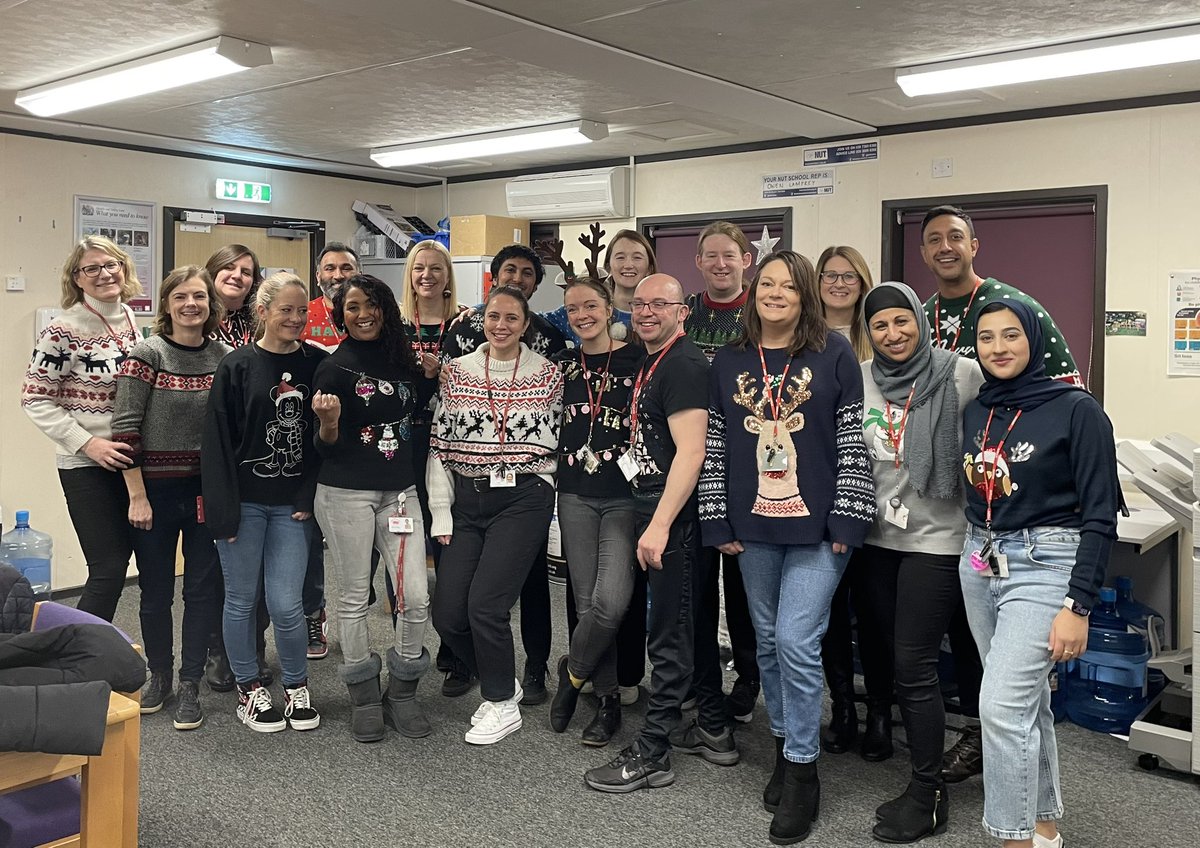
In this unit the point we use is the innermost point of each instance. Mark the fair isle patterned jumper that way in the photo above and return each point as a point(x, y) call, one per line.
point(466, 438)
point(712, 325)
point(71, 384)
point(823, 491)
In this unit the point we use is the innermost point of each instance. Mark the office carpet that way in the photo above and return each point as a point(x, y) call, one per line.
point(224, 784)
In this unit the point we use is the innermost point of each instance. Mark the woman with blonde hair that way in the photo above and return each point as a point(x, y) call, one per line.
point(70, 391)
point(845, 280)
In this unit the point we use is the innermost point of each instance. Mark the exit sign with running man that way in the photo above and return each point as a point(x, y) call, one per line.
point(244, 191)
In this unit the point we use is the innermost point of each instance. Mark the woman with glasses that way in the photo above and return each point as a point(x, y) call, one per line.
point(70, 391)
point(787, 487)
point(845, 281)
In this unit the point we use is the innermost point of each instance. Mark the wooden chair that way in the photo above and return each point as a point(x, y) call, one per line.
point(106, 794)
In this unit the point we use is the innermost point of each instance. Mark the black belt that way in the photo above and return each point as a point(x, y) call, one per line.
point(484, 484)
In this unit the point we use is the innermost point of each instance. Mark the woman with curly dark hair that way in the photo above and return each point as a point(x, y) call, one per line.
point(366, 395)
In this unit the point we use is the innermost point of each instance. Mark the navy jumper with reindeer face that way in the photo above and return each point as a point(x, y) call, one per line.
point(825, 492)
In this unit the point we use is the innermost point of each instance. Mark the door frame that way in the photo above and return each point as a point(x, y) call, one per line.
point(782, 213)
point(315, 229)
point(892, 247)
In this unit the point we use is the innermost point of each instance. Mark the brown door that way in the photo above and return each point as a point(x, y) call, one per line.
point(193, 248)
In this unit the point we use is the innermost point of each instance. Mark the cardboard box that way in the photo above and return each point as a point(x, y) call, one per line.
point(485, 235)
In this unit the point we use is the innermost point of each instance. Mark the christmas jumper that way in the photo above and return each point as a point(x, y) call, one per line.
point(162, 393)
point(823, 490)
point(712, 325)
point(258, 444)
point(70, 385)
point(320, 330)
point(558, 318)
point(542, 337)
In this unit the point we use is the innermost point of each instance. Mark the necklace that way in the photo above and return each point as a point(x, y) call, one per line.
point(420, 346)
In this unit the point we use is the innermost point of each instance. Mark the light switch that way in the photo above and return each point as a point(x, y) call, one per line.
point(14, 283)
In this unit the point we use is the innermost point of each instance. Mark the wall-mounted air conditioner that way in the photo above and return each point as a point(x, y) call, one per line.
point(567, 195)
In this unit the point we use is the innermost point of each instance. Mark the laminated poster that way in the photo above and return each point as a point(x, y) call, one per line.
point(1183, 321)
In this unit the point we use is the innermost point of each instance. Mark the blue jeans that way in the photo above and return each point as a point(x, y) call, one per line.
point(1011, 618)
point(789, 588)
point(271, 550)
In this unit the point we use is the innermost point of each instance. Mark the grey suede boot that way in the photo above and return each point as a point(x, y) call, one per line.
point(366, 711)
point(400, 710)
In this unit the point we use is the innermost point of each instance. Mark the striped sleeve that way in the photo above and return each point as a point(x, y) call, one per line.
point(715, 528)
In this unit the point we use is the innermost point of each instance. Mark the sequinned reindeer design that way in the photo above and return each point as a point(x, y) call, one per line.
point(778, 491)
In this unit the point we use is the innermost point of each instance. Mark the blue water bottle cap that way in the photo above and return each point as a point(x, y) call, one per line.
point(1108, 595)
point(1124, 582)
point(22, 517)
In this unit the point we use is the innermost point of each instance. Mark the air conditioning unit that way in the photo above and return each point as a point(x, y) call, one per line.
point(567, 195)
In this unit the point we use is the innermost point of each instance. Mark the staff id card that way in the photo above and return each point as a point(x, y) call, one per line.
point(628, 465)
point(502, 478)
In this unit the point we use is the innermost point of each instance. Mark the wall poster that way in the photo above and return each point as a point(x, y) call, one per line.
point(131, 224)
point(1183, 324)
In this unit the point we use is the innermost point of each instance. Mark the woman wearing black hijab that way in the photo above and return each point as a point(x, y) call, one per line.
point(913, 397)
point(1042, 500)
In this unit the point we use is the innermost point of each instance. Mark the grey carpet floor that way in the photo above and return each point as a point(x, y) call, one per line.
point(224, 784)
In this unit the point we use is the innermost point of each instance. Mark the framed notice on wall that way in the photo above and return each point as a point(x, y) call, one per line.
point(131, 225)
point(1183, 324)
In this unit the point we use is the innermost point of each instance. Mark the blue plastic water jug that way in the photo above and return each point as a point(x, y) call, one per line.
point(29, 552)
point(1106, 688)
point(1147, 621)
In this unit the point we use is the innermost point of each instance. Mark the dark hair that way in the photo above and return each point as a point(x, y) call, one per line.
point(812, 329)
point(947, 209)
point(163, 324)
point(994, 306)
point(391, 333)
point(523, 252)
point(509, 291)
point(337, 247)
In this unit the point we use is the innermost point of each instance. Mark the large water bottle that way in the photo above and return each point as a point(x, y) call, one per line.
point(1107, 687)
point(29, 552)
point(1146, 621)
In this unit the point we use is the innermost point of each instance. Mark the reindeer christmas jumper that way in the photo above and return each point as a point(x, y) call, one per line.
point(70, 386)
point(787, 464)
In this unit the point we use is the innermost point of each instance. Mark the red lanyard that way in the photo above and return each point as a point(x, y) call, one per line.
point(108, 326)
point(594, 404)
point(774, 398)
point(989, 482)
point(642, 377)
point(424, 347)
point(501, 424)
point(894, 437)
point(937, 324)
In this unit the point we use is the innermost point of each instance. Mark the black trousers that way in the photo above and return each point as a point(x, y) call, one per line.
point(737, 610)
point(670, 625)
point(98, 504)
point(869, 584)
point(927, 595)
point(497, 536)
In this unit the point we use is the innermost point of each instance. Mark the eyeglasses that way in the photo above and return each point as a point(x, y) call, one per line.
point(850, 278)
point(656, 305)
point(93, 271)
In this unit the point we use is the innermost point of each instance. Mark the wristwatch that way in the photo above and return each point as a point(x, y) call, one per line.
point(1076, 607)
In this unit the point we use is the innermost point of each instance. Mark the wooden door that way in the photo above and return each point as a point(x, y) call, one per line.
point(273, 252)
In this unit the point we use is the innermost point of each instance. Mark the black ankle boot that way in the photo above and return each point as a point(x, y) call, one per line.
point(217, 673)
point(605, 724)
point(921, 811)
point(965, 759)
point(798, 804)
point(843, 728)
point(877, 739)
point(566, 697)
point(774, 787)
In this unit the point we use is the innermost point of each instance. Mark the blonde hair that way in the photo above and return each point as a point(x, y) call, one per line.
point(723, 228)
point(268, 290)
point(72, 294)
point(859, 339)
point(216, 309)
point(408, 297)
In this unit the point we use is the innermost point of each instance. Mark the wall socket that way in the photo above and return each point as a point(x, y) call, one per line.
point(942, 168)
point(14, 283)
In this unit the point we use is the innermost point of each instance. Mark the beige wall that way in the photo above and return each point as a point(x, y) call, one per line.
point(38, 181)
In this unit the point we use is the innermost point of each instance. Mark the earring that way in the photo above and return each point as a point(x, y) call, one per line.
point(446, 294)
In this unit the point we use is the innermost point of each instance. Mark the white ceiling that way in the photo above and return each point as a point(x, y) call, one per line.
point(667, 76)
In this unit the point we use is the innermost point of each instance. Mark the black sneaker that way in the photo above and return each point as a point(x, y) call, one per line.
point(318, 640)
point(298, 710)
point(630, 771)
point(459, 680)
point(716, 748)
point(742, 699)
point(256, 711)
point(217, 673)
point(188, 715)
point(534, 684)
point(156, 691)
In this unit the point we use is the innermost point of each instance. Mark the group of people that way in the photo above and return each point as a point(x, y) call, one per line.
point(811, 443)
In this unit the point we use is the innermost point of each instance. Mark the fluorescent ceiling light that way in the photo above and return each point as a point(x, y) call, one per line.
point(1119, 53)
point(518, 140)
point(196, 62)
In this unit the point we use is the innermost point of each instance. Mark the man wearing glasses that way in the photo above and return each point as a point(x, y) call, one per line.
point(948, 246)
point(668, 423)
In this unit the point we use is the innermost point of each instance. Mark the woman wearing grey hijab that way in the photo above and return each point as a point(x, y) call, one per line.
point(914, 394)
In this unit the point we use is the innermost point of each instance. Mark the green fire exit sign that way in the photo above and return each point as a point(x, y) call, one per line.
point(244, 191)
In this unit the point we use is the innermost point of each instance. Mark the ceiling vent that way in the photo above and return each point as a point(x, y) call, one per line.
point(567, 195)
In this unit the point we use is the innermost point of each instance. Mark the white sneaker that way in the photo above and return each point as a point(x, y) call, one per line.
point(503, 718)
point(486, 706)
point(1040, 841)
